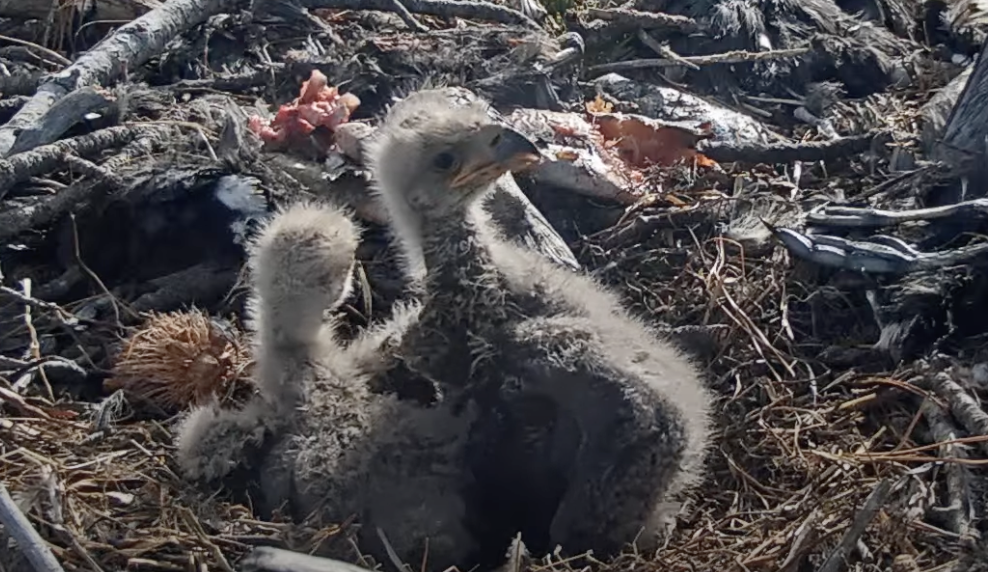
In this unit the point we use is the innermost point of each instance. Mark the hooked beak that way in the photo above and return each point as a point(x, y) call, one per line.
point(494, 151)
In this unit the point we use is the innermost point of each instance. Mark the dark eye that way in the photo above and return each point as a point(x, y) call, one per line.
point(444, 161)
point(495, 140)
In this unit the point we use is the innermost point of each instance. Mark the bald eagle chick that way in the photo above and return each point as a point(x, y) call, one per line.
point(589, 422)
point(317, 436)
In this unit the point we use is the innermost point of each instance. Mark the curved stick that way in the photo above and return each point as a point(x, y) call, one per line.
point(31, 543)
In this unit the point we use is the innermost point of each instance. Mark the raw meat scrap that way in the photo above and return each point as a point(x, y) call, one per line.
point(318, 105)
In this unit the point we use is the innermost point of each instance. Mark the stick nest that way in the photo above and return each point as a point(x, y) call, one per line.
point(811, 420)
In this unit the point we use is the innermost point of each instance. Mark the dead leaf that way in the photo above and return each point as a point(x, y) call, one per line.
point(641, 142)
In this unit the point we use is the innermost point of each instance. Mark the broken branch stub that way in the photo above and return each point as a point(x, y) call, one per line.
point(62, 116)
point(128, 47)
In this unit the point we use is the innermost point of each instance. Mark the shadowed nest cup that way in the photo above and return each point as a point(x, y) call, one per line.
point(182, 359)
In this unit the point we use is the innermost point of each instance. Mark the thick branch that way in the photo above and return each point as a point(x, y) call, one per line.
point(28, 539)
point(785, 152)
point(61, 116)
point(967, 127)
point(958, 502)
point(48, 158)
point(963, 406)
point(16, 221)
point(839, 216)
point(128, 47)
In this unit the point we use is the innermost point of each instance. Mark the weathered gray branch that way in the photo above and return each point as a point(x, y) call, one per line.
point(840, 216)
point(28, 539)
point(934, 113)
point(647, 20)
point(958, 506)
point(63, 114)
point(128, 47)
point(874, 503)
point(965, 136)
point(47, 158)
point(785, 152)
point(963, 406)
point(879, 255)
point(16, 221)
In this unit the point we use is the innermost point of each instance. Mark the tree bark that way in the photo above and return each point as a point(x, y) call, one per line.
point(967, 126)
point(936, 111)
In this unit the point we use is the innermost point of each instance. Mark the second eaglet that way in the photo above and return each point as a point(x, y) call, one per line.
point(588, 422)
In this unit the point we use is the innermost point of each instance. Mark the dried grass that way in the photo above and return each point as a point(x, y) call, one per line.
point(109, 499)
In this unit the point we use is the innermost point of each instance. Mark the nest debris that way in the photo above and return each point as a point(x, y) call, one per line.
point(828, 450)
point(179, 360)
point(110, 500)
